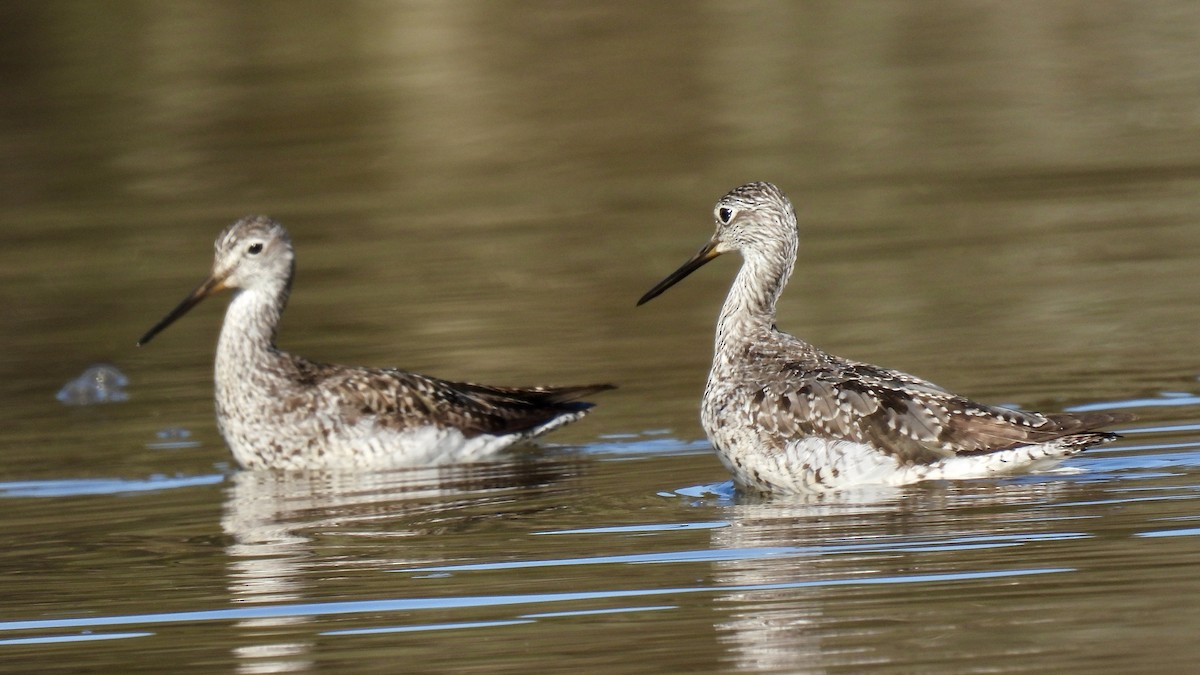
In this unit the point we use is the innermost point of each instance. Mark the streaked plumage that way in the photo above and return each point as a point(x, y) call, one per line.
point(785, 416)
point(280, 411)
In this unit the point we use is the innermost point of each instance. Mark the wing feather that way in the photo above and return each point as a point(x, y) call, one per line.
point(401, 400)
point(904, 416)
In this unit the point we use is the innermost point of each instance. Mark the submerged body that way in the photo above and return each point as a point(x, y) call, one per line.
point(785, 416)
point(280, 411)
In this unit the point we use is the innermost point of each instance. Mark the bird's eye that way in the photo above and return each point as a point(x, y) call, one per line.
point(255, 248)
point(725, 214)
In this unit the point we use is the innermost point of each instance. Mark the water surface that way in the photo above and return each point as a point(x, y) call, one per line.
point(1000, 198)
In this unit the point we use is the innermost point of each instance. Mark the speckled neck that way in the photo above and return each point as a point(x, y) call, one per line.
point(252, 318)
point(246, 350)
point(749, 308)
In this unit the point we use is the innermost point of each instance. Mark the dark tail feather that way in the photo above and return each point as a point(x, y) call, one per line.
point(565, 395)
point(1078, 423)
point(554, 402)
point(559, 398)
point(1080, 442)
point(1082, 429)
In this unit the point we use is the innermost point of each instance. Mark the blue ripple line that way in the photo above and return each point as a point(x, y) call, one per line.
point(705, 555)
point(1188, 399)
point(1182, 532)
point(595, 612)
point(964, 543)
point(414, 604)
point(101, 486)
point(425, 627)
point(82, 637)
point(651, 527)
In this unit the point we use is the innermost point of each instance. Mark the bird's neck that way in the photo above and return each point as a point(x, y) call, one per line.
point(248, 333)
point(749, 308)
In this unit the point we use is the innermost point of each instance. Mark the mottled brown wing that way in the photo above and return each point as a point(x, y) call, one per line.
point(911, 419)
point(401, 400)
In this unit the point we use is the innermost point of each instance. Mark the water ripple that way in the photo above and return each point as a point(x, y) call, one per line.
point(320, 609)
point(651, 527)
point(78, 637)
point(758, 553)
point(102, 486)
point(1188, 532)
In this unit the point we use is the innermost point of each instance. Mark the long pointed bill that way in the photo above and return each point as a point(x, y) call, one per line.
point(211, 285)
point(694, 263)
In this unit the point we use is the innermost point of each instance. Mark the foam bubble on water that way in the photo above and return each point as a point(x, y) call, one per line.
point(101, 383)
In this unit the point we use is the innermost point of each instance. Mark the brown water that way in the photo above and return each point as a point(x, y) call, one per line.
point(1001, 197)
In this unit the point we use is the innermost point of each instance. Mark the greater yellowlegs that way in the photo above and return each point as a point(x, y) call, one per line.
point(278, 410)
point(785, 416)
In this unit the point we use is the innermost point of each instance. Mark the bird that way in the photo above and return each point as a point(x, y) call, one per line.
point(280, 411)
point(786, 417)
